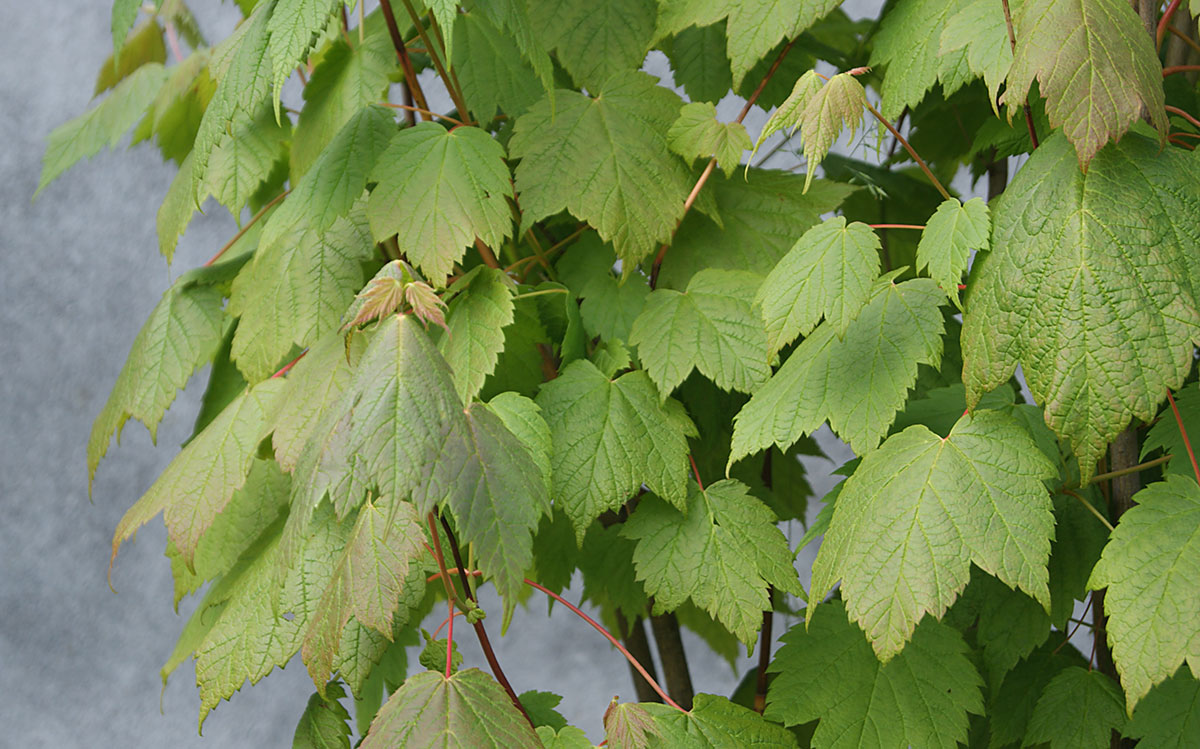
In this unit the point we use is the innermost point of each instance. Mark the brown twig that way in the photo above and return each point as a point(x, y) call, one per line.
point(455, 95)
point(429, 114)
point(1183, 114)
point(410, 75)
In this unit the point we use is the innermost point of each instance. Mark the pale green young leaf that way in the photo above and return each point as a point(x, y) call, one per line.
point(144, 46)
point(611, 357)
point(605, 160)
point(368, 581)
point(124, 14)
point(437, 191)
point(1150, 567)
point(714, 326)
point(523, 418)
point(200, 481)
point(1095, 66)
point(467, 711)
point(756, 26)
point(829, 273)
point(1090, 287)
point(610, 437)
point(948, 238)
point(596, 40)
point(336, 180)
point(315, 386)
point(723, 552)
point(346, 80)
point(294, 29)
point(1078, 709)
point(790, 114)
point(921, 509)
point(567, 737)
point(908, 43)
point(181, 335)
point(475, 329)
point(627, 725)
point(491, 69)
point(979, 27)
point(826, 671)
point(858, 382)
point(325, 723)
point(714, 723)
point(697, 134)
point(1169, 716)
point(240, 165)
point(174, 117)
point(103, 125)
point(295, 290)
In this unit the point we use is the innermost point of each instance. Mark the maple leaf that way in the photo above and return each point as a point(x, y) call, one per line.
point(1079, 707)
point(610, 437)
point(596, 41)
point(949, 236)
point(790, 113)
point(920, 509)
point(469, 709)
point(1149, 567)
point(382, 296)
point(858, 382)
point(124, 15)
point(474, 336)
point(1090, 287)
point(978, 26)
point(492, 71)
point(295, 27)
point(627, 725)
point(912, 54)
point(1169, 716)
point(755, 27)
point(713, 326)
point(610, 305)
point(715, 722)
point(829, 272)
point(437, 191)
point(315, 386)
point(567, 737)
point(1095, 66)
point(325, 723)
point(697, 134)
point(723, 551)
point(826, 671)
point(242, 163)
point(143, 46)
point(606, 160)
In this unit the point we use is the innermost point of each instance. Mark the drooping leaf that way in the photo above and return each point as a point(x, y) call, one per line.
point(1011, 625)
point(826, 671)
point(858, 382)
point(606, 160)
point(790, 114)
point(468, 710)
point(475, 329)
point(439, 190)
point(1079, 708)
point(829, 273)
point(1094, 64)
point(596, 41)
point(514, 17)
point(952, 232)
point(714, 326)
point(913, 56)
point(103, 125)
point(1090, 287)
point(919, 510)
point(242, 163)
point(325, 723)
point(294, 28)
point(697, 134)
point(754, 28)
point(723, 552)
point(610, 437)
point(1169, 716)
point(715, 722)
point(523, 418)
point(1150, 567)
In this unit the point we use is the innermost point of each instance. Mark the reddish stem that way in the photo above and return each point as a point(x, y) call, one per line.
point(1179, 69)
point(917, 227)
point(286, 367)
point(696, 472)
point(1183, 114)
point(450, 639)
point(1164, 23)
point(1187, 443)
point(615, 642)
point(242, 232)
point(428, 113)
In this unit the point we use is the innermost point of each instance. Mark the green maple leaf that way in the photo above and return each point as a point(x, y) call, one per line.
point(1011, 625)
point(475, 328)
point(627, 725)
point(295, 28)
point(1095, 66)
point(437, 191)
point(567, 737)
point(336, 180)
point(104, 125)
point(697, 134)
point(715, 722)
point(606, 160)
point(1011, 703)
point(491, 69)
point(698, 60)
point(1150, 566)
point(722, 551)
point(610, 437)
point(714, 326)
point(857, 382)
point(124, 14)
point(761, 217)
point(468, 710)
point(1090, 287)
point(756, 26)
point(913, 55)
point(369, 580)
point(978, 26)
point(295, 290)
point(315, 385)
point(948, 238)
point(1164, 434)
point(1169, 716)
point(1078, 708)
point(325, 723)
point(346, 80)
point(610, 305)
point(540, 707)
point(826, 671)
point(829, 272)
point(523, 418)
point(596, 40)
point(145, 45)
point(920, 509)
point(175, 115)
point(514, 17)
point(790, 114)
point(242, 163)
point(203, 477)
point(182, 333)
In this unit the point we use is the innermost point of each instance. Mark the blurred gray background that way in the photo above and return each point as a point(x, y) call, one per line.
point(80, 271)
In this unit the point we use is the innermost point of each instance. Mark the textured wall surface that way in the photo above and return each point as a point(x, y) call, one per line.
point(80, 271)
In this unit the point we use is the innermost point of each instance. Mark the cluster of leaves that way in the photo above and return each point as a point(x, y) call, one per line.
point(539, 335)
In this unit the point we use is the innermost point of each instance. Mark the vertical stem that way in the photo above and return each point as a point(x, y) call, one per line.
point(410, 75)
point(634, 635)
point(455, 95)
point(764, 636)
point(674, 660)
point(1012, 43)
